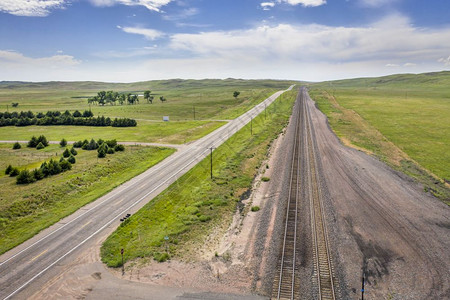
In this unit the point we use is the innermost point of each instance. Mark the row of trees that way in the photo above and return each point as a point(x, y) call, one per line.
point(29, 114)
point(110, 97)
point(102, 147)
point(69, 120)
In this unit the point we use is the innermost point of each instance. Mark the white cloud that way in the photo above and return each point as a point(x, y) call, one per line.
point(311, 3)
point(377, 3)
point(30, 8)
point(153, 5)
point(184, 14)
point(392, 65)
point(267, 5)
point(401, 42)
point(13, 58)
point(149, 34)
point(445, 61)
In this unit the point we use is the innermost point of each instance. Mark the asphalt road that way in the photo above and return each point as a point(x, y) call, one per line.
point(52, 248)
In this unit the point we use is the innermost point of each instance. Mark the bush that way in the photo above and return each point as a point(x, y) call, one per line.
point(66, 153)
point(38, 174)
point(32, 143)
point(65, 165)
point(63, 143)
point(42, 139)
point(73, 151)
point(40, 146)
point(17, 146)
point(78, 144)
point(110, 151)
point(14, 172)
point(161, 257)
point(101, 153)
point(119, 148)
point(8, 169)
point(204, 218)
point(72, 159)
point(255, 208)
point(25, 177)
point(265, 179)
point(111, 143)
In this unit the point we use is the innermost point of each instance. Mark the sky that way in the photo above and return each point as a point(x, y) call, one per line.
point(138, 40)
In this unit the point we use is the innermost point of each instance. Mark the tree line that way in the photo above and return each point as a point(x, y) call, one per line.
point(110, 97)
point(57, 118)
point(53, 167)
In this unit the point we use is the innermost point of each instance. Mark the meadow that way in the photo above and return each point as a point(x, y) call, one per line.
point(27, 209)
point(195, 205)
point(402, 119)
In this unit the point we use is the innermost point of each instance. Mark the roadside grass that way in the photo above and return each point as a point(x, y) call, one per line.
point(192, 207)
point(25, 210)
point(401, 119)
point(157, 132)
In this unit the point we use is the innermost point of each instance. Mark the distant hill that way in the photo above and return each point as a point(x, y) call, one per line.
point(434, 79)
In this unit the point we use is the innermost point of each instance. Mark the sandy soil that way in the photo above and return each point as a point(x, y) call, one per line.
point(378, 221)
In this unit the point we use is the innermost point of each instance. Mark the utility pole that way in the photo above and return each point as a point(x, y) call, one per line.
point(211, 148)
point(362, 287)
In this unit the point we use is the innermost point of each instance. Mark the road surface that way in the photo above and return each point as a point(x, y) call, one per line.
point(52, 248)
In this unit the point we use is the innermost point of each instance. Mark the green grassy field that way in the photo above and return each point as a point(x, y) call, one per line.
point(210, 99)
point(27, 209)
point(403, 119)
point(194, 205)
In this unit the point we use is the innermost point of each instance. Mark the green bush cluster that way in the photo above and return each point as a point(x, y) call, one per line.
point(102, 147)
point(38, 143)
point(58, 118)
point(46, 169)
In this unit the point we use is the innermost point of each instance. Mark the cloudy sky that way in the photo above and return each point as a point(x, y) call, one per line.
point(135, 40)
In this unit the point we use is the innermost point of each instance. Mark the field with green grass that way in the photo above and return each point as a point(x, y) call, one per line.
point(211, 100)
point(194, 205)
point(27, 209)
point(402, 119)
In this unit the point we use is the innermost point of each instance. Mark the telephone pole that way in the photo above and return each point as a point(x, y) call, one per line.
point(211, 148)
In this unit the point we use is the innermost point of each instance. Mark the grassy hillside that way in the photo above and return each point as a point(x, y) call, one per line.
point(403, 119)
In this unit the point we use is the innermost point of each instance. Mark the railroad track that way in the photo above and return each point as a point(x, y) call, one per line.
point(304, 163)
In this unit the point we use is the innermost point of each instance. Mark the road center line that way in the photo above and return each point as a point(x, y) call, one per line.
point(39, 255)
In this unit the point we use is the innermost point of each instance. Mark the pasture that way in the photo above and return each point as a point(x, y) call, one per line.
point(402, 119)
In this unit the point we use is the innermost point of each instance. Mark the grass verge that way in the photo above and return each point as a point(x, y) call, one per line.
point(384, 123)
point(192, 207)
point(25, 210)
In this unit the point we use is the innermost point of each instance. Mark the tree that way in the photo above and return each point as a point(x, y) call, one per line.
point(71, 159)
point(63, 143)
point(33, 142)
point(65, 165)
point(66, 153)
point(25, 177)
point(101, 152)
point(8, 169)
point(119, 147)
point(42, 139)
point(163, 99)
point(76, 114)
point(14, 172)
point(101, 97)
point(236, 94)
point(40, 146)
point(15, 104)
point(38, 174)
point(122, 98)
point(148, 96)
point(73, 151)
point(17, 146)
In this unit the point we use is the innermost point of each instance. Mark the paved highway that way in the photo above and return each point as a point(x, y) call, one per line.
point(52, 247)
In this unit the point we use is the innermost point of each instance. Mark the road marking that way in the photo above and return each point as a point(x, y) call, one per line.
point(86, 224)
point(117, 216)
point(118, 202)
point(39, 255)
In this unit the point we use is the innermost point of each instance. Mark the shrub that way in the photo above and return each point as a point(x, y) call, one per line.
point(255, 208)
point(111, 143)
point(17, 146)
point(32, 143)
point(63, 143)
point(119, 148)
point(8, 169)
point(100, 142)
point(65, 165)
point(101, 153)
point(92, 145)
point(204, 218)
point(161, 257)
point(38, 174)
point(78, 144)
point(265, 179)
point(110, 151)
point(73, 151)
point(72, 159)
point(66, 153)
point(14, 172)
point(42, 139)
point(40, 146)
point(25, 177)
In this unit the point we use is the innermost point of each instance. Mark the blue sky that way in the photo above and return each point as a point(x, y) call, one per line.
point(136, 40)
